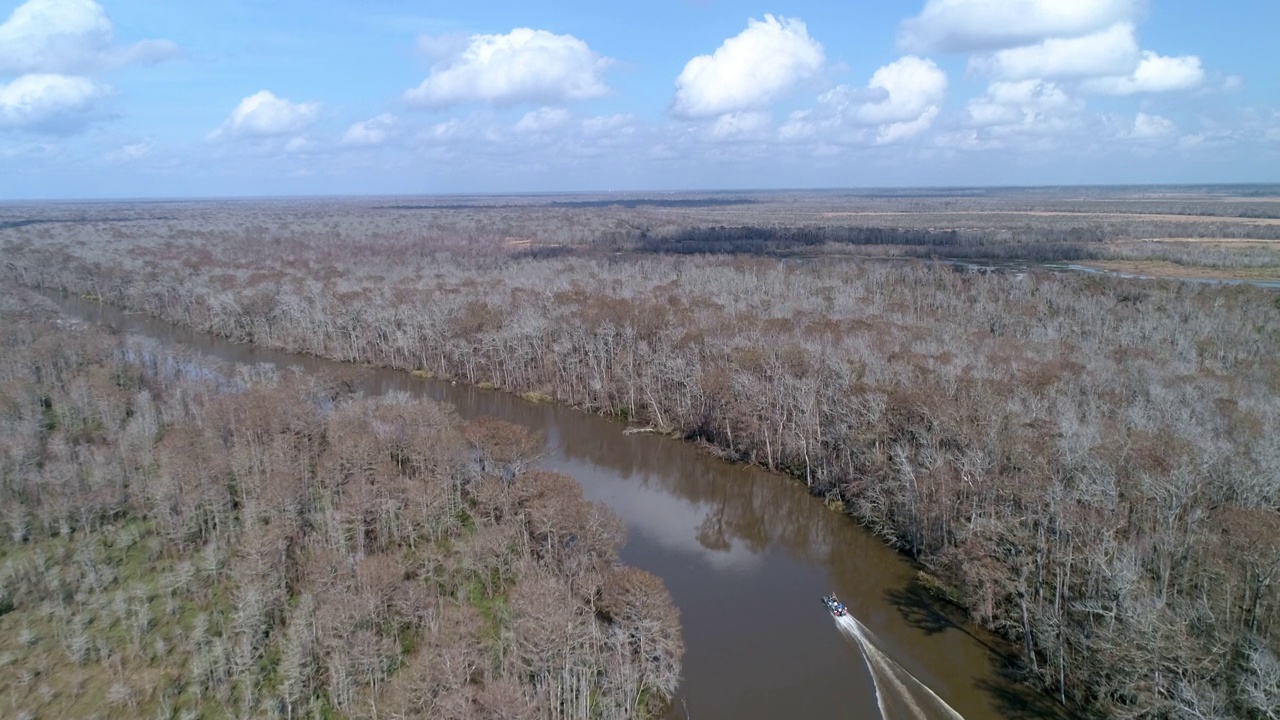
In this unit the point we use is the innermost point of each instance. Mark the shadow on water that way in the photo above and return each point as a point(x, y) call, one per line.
point(1017, 701)
point(1014, 696)
point(931, 615)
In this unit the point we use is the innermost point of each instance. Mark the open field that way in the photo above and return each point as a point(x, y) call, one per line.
point(1234, 242)
point(1168, 269)
point(1000, 214)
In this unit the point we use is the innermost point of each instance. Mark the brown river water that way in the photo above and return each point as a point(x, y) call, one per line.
point(746, 555)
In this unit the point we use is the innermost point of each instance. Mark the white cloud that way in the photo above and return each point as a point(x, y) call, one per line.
point(1209, 140)
point(524, 65)
point(985, 25)
point(1113, 51)
point(448, 130)
point(803, 125)
point(53, 45)
point(49, 103)
point(262, 114)
point(1154, 74)
point(901, 100)
point(1033, 114)
point(1027, 103)
point(129, 152)
point(536, 143)
point(1152, 127)
point(742, 125)
point(893, 132)
point(846, 99)
point(748, 70)
point(619, 124)
point(69, 36)
point(479, 128)
point(543, 119)
point(373, 131)
point(914, 86)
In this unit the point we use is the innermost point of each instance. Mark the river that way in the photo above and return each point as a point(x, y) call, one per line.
point(745, 553)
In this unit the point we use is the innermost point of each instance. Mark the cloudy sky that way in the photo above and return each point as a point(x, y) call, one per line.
point(146, 98)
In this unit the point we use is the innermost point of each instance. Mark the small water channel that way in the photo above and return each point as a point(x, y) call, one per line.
point(745, 553)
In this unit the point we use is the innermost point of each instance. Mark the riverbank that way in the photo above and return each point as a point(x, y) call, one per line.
point(743, 554)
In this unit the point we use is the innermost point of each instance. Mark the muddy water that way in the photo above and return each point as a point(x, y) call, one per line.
point(745, 553)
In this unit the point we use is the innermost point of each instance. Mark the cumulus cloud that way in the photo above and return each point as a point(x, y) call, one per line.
point(913, 87)
point(541, 128)
point(490, 144)
point(525, 65)
point(618, 124)
point(742, 125)
point(48, 102)
point(69, 37)
point(1154, 74)
point(262, 114)
point(985, 25)
point(901, 100)
point(1152, 127)
point(1110, 52)
point(1006, 103)
point(1208, 141)
point(543, 119)
point(53, 46)
point(373, 131)
point(1092, 41)
point(893, 132)
point(448, 130)
point(748, 70)
point(1026, 106)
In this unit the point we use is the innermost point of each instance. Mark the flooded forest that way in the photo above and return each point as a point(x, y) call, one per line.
point(1085, 463)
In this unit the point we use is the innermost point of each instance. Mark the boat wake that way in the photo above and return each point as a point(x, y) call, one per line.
point(898, 693)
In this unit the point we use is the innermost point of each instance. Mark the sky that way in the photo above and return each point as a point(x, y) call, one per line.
point(155, 98)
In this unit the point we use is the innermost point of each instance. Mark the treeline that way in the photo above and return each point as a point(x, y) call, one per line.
point(1055, 242)
point(1043, 244)
point(672, 202)
point(1088, 464)
point(182, 541)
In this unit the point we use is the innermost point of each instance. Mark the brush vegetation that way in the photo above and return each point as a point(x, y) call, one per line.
point(188, 541)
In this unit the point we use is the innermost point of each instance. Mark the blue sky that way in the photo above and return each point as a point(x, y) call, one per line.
point(143, 98)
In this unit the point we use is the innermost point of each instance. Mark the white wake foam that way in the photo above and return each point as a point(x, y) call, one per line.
point(899, 694)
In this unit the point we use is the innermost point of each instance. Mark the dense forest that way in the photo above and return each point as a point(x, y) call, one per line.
point(185, 540)
point(1087, 464)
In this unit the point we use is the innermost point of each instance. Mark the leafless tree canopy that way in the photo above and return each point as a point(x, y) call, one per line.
point(1088, 464)
point(178, 546)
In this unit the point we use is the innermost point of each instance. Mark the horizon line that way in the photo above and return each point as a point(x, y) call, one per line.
point(853, 189)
